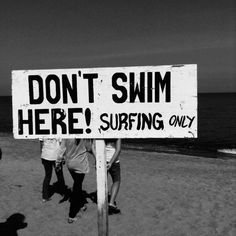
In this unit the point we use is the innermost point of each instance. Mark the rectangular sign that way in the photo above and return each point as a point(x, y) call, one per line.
point(117, 102)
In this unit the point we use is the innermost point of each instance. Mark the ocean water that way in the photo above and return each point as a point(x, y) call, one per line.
point(216, 127)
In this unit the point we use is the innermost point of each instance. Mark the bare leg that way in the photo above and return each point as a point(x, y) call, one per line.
point(116, 179)
point(114, 191)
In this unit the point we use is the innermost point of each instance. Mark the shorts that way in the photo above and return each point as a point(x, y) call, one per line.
point(114, 171)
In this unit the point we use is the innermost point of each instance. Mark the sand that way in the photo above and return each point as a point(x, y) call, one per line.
point(160, 194)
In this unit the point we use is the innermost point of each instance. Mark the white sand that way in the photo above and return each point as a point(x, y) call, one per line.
point(160, 194)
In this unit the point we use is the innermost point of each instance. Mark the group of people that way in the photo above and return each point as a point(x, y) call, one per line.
point(74, 153)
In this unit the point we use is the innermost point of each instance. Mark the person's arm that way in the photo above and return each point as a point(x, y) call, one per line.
point(93, 151)
point(41, 145)
point(61, 152)
point(116, 154)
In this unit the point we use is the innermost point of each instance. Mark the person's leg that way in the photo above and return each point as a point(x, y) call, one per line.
point(116, 179)
point(76, 196)
point(48, 165)
point(60, 179)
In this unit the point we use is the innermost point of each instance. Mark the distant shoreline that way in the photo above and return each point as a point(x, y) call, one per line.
point(169, 149)
point(185, 151)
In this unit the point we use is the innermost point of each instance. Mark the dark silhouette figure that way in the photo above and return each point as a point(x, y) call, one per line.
point(12, 224)
point(0, 153)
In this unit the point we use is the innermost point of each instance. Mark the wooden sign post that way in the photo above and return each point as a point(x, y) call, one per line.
point(101, 188)
point(102, 103)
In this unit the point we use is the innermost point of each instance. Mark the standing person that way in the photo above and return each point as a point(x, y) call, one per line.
point(75, 152)
point(49, 154)
point(113, 148)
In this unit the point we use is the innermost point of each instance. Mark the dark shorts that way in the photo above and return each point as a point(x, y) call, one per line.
point(114, 171)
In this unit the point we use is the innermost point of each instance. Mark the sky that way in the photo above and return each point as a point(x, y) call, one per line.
point(56, 34)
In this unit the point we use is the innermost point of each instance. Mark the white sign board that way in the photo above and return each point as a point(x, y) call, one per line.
point(118, 102)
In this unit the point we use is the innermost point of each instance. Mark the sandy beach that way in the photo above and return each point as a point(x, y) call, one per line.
point(161, 194)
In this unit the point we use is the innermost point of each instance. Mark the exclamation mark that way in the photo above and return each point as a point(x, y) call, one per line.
point(88, 119)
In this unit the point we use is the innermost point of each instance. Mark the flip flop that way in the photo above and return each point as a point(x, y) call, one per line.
point(113, 210)
point(46, 200)
point(72, 220)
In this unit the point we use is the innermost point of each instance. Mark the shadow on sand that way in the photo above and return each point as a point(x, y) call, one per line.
point(67, 192)
point(13, 223)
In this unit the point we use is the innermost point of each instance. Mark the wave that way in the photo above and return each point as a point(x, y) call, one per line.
point(229, 151)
